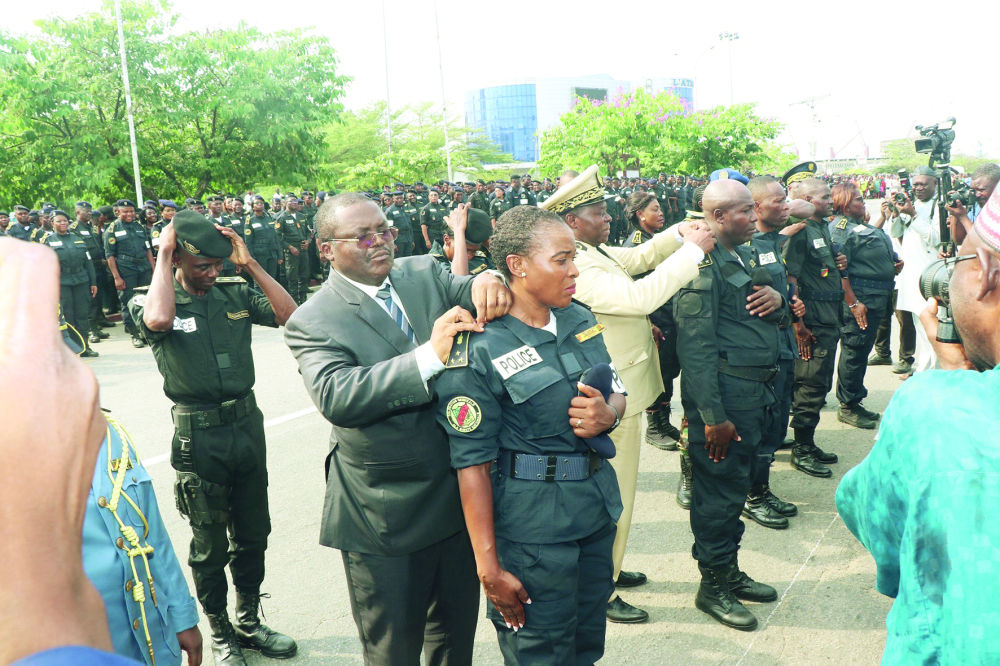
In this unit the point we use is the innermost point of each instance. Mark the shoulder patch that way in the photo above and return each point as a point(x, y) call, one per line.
point(581, 246)
point(842, 224)
point(706, 262)
point(459, 356)
point(637, 238)
point(236, 279)
point(591, 332)
point(464, 414)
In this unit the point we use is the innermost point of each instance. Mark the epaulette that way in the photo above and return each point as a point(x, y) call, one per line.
point(236, 279)
point(481, 254)
point(637, 237)
point(706, 262)
point(581, 246)
point(842, 224)
point(459, 356)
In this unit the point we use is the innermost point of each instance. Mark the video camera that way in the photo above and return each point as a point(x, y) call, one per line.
point(936, 140)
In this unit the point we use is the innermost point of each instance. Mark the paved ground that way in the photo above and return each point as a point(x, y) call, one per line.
point(828, 611)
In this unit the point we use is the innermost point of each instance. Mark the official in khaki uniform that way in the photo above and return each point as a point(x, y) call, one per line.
point(621, 306)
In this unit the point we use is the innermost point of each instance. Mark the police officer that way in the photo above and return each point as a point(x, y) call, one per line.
point(309, 213)
point(167, 211)
point(476, 229)
point(515, 400)
point(91, 237)
point(217, 215)
point(729, 355)
point(261, 238)
point(199, 326)
point(44, 227)
point(4, 222)
point(479, 199)
point(496, 205)
point(420, 193)
point(432, 219)
point(130, 260)
point(873, 266)
point(398, 218)
point(812, 266)
point(518, 195)
point(295, 241)
point(548, 189)
point(77, 277)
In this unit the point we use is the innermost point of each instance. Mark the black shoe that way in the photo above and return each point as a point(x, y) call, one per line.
point(853, 416)
point(784, 508)
point(89, 353)
point(622, 612)
point(225, 648)
point(787, 442)
point(878, 359)
point(717, 600)
point(803, 460)
point(824, 457)
point(656, 434)
point(867, 412)
point(96, 330)
point(630, 579)
point(746, 588)
point(686, 481)
point(93, 338)
point(137, 342)
point(104, 323)
point(256, 636)
point(759, 510)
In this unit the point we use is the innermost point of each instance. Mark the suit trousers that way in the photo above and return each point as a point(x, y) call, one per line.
point(628, 442)
point(426, 601)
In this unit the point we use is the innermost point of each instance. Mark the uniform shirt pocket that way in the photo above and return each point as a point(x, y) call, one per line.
point(544, 402)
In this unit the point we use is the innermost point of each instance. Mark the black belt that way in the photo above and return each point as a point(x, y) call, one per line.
point(563, 467)
point(817, 295)
point(187, 418)
point(754, 374)
point(873, 285)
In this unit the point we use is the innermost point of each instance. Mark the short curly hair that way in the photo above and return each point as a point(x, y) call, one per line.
point(518, 232)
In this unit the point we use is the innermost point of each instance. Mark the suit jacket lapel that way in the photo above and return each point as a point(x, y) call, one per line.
point(371, 312)
point(412, 296)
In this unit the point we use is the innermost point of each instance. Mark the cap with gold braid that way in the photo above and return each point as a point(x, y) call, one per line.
point(583, 190)
point(800, 171)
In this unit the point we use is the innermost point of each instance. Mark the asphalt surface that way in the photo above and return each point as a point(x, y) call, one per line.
point(828, 610)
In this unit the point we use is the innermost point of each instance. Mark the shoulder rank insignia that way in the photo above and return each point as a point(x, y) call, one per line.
point(581, 246)
point(459, 356)
point(236, 279)
point(706, 262)
point(637, 237)
point(591, 332)
point(753, 264)
point(842, 224)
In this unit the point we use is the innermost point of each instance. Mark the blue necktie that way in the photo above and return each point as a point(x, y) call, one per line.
point(385, 295)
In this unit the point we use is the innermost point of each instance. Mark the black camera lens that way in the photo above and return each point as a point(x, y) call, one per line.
point(899, 198)
point(934, 282)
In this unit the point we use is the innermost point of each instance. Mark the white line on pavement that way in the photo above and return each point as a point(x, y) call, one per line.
point(782, 599)
point(156, 460)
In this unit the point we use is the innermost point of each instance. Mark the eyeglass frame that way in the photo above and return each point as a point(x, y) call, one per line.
point(391, 231)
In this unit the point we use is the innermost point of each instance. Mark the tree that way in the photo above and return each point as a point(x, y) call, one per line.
point(213, 111)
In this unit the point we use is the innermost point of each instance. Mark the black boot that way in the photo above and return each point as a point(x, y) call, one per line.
point(655, 433)
point(759, 510)
point(685, 482)
point(225, 649)
point(256, 636)
point(746, 588)
point(666, 427)
point(717, 599)
point(803, 458)
point(784, 508)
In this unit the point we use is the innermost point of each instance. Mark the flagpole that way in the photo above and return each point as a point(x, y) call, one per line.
point(128, 105)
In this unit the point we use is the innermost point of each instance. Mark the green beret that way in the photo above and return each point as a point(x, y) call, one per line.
point(479, 228)
point(199, 236)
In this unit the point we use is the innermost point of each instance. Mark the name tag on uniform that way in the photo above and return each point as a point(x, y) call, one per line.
point(819, 243)
point(767, 258)
point(860, 228)
point(88, 255)
point(617, 385)
point(121, 234)
point(156, 242)
point(524, 201)
point(256, 225)
point(514, 362)
point(591, 332)
point(187, 325)
point(84, 233)
point(55, 244)
point(147, 243)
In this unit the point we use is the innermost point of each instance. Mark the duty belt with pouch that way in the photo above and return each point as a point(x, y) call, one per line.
point(549, 468)
point(187, 418)
point(821, 295)
point(754, 374)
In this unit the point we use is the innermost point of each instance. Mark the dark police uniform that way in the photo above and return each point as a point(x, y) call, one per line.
point(728, 357)
point(872, 272)
point(496, 208)
point(479, 263)
point(432, 217)
point(128, 243)
point(519, 197)
point(96, 249)
point(76, 277)
point(293, 230)
point(543, 195)
point(263, 242)
point(399, 219)
point(809, 257)
point(218, 447)
point(554, 521)
point(39, 234)
point(480, 200)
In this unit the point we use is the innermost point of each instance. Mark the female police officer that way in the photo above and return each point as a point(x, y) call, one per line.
point(77, 279)
point(542, 518)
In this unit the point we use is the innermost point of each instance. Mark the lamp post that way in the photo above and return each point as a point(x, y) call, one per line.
point(388, 108)
point(730, 37)
point(128, 103)
point(696, 62)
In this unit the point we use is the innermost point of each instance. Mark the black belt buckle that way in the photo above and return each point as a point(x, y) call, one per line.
point(595, 464)
point(550, 468)
point(227, 411)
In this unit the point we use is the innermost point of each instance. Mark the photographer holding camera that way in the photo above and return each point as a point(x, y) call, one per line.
point(977, 193)
point(918, 224)
point(921, 501)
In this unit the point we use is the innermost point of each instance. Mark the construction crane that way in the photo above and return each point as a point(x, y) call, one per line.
point(811, 103)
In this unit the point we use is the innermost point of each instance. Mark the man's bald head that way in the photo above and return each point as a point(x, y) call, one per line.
point(728, 207)
point(811, 187)
point(567, 176)
point(723, 195)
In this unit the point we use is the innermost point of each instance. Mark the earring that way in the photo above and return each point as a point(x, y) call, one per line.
point(524, 274)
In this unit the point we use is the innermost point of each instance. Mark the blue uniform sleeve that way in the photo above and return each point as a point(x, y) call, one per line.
point(77, 655)
point(469, 412)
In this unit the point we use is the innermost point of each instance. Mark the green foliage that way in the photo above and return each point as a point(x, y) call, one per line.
point(652, 133)
point(213, 111)
point(900, 154)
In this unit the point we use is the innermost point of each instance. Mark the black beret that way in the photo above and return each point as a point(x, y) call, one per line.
point(257, 197)
point(481, 181)
point(167, 203)
point(515, 175)
point(418, 183)
point(83, 204)
point(479, 228)
point(190, 201)
point(20, 207)
point(397, 193)
point(125, 203)
point(199, 236)
point(106, 211)
point(215, 197)
point(305, 192)
point(60, 212)
point(33, 214)
point(47, 209)
point(149, 202)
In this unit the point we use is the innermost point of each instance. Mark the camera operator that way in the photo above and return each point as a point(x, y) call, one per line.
point(918, 506)
point(917, 223)
point(984, 181)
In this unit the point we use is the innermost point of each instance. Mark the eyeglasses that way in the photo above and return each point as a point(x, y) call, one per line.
point(366, 240)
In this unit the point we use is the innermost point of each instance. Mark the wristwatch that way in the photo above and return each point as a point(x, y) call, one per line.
point(618, 420)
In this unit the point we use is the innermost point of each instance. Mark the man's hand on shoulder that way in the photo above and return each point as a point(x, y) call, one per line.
point(447, 326)
point(491, 297)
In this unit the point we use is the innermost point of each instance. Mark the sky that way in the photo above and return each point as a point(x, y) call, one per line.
point(883, 70)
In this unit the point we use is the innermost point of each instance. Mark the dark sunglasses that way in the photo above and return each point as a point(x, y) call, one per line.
point(366, 240)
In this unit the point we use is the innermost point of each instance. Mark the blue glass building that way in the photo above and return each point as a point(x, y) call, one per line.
point(509, 116)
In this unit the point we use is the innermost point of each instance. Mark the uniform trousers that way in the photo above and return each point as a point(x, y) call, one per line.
point(814, 378)
point(720, 489)
point(670, 364)
point(777, 425)
point(232, 455)
point(628, 442)
point(74, 300)
point(95, 308)
point(132, 280)
point(855, 346)
point(427, 600)
point(568, 584)
point(297, 275)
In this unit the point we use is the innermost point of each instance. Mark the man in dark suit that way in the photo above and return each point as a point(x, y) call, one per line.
point(369, 344)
